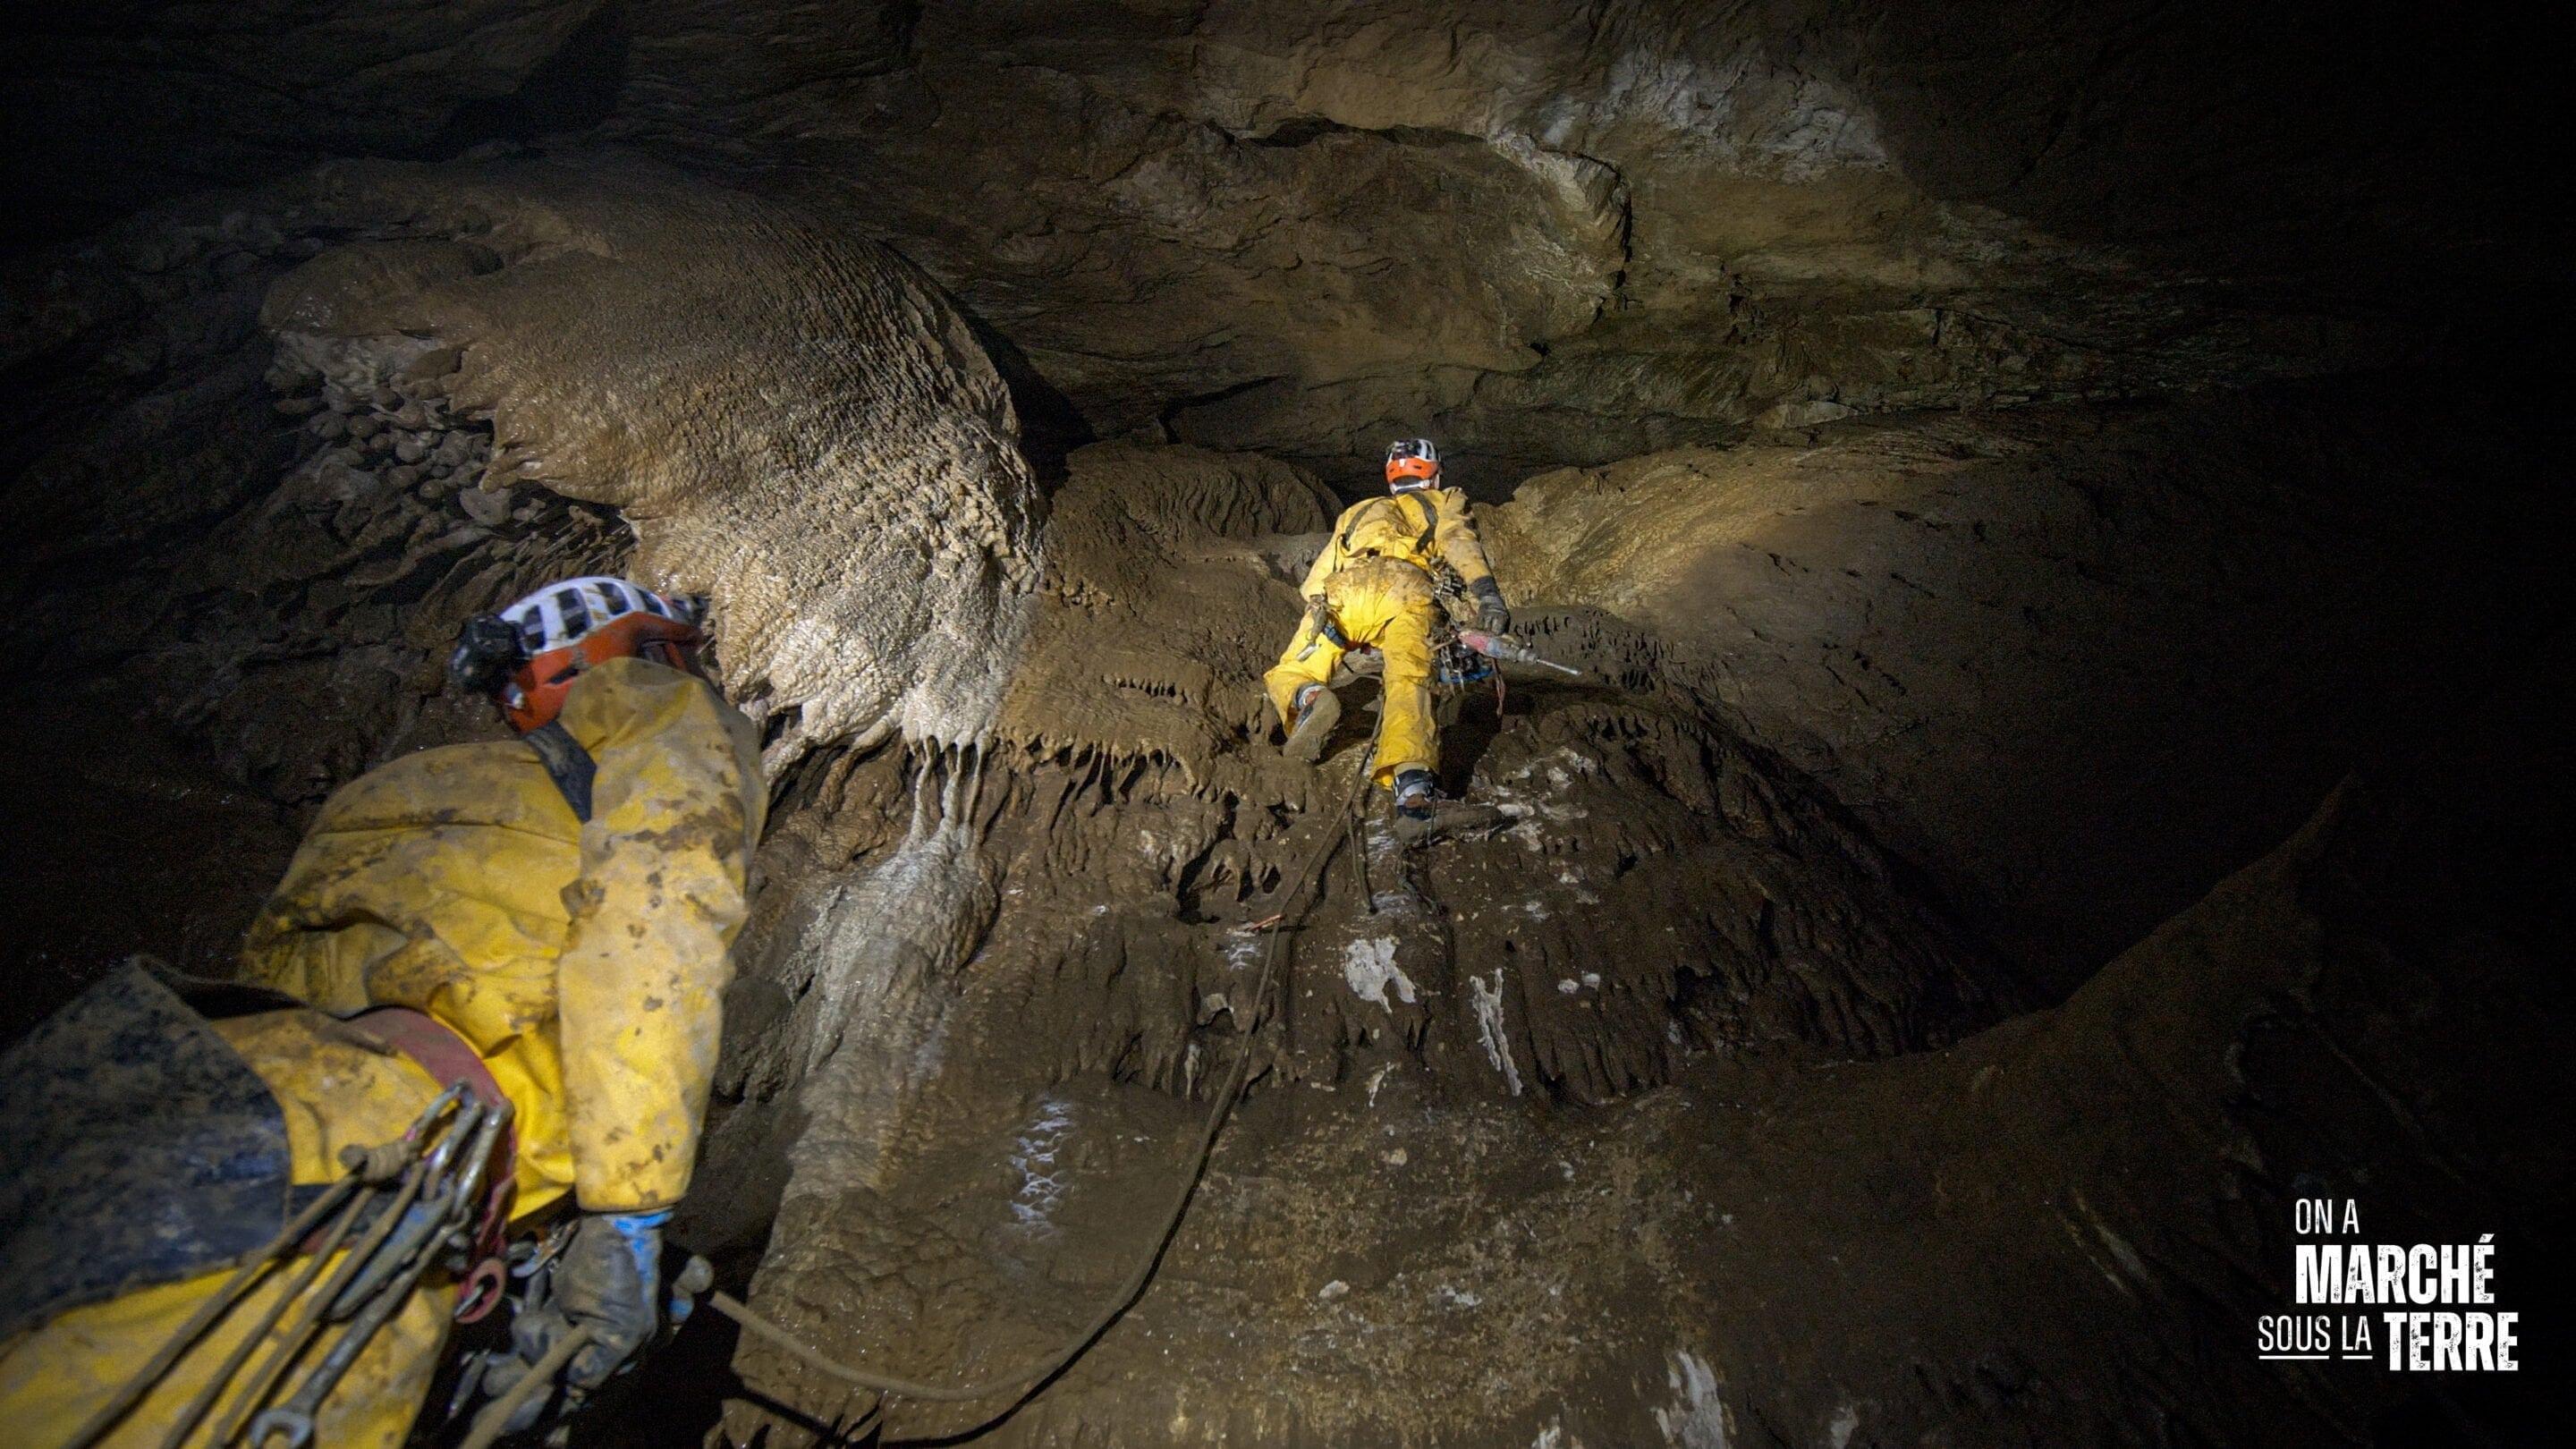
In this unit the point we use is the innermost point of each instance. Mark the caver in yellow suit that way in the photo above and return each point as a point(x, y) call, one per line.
point(1374, 584)
point(581, 962)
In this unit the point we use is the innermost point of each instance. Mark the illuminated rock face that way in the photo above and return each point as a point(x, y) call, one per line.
point(1066, 944)
point(1558, 234)
point(790, 422)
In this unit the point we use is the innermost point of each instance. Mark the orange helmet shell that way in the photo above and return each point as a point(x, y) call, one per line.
point(1411, 463)
point(527, 655)
point(536, 692)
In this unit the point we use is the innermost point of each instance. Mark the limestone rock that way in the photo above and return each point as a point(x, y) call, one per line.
point(1105, 866)
point(2078, 690)
point(885, 583)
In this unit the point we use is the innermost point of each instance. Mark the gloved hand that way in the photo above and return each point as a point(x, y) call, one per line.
point(1492, 614)
point(1320, 614)
point(608, 1281)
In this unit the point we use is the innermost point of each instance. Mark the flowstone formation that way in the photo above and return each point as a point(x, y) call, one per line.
point(1062, 940)
point(864, 532)
point(310, 432)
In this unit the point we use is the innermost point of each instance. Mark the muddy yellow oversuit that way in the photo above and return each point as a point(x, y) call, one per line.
point(583, 963)
point(1375, 576)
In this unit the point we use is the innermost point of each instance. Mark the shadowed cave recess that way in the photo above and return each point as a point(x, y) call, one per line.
point(2060, 509)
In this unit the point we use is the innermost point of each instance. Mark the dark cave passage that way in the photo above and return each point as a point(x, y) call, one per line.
point(2056, 511)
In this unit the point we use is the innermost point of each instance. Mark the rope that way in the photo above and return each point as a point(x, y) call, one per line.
point(1019, 1383)
point(495, 1417)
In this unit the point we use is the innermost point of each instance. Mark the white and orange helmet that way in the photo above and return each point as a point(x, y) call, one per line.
point(528, 655)
point(1411, 463)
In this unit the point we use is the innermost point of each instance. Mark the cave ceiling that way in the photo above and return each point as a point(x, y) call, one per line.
point(1548, 234)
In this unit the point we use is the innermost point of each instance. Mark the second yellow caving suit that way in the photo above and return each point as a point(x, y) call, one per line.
point(583, 963)
point(1375, 574)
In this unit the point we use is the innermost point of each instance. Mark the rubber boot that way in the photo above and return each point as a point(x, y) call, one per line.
point(1318, 710)
point(1423, 816)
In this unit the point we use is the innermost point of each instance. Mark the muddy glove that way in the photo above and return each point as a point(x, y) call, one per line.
point(608, 1281)
point(1492, 614)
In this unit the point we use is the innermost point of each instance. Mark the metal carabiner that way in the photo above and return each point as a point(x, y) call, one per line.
point(295, 1424)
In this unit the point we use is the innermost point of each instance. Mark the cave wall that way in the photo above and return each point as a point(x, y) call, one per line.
point(2025, 458)
point(1624, 226)
point(119, 106)
point(2079, 662)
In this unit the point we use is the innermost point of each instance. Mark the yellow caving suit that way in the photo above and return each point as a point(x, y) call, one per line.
point(1375, 574)
point(582, 962)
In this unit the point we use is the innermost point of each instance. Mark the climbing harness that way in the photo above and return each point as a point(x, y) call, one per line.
point(533, 1262)
point(1395, 502)
point(1327, 627)
point(424, 1200)
point(1018, 1384)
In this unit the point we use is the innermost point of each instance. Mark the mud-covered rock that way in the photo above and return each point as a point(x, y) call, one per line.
point(2078, 663)
point(1099, 893)
point(2053, 1233)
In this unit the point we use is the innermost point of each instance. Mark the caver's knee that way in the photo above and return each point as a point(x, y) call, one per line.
point(1284, 680)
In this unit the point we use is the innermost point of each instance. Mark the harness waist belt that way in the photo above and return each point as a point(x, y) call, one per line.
point(433, 1046)
point(436, 1048)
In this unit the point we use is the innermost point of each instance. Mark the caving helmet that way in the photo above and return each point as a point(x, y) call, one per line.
point(1411, 463)
point(528, 655)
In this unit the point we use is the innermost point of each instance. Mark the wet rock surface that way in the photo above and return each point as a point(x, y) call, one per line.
point(1092, 899)
point(2055, 1233)
point(2078, 662)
